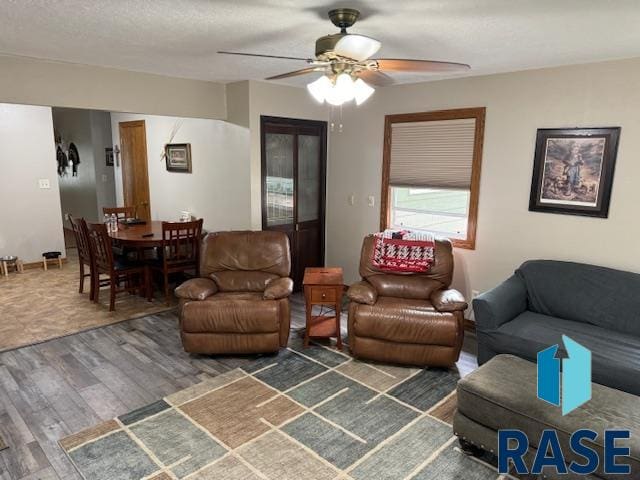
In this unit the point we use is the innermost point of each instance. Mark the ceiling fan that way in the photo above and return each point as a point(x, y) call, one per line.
point(345, 59)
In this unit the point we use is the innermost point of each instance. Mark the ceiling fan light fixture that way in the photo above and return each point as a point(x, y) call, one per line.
point(357, 47)
point(345, 88)
point(320, 88)
point(362, 91)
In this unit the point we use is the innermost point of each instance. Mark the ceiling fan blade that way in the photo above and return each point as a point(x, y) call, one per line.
point(295, 73)
point(403, 65)
point(375, 78)
point(309, 60)
point(356, 47)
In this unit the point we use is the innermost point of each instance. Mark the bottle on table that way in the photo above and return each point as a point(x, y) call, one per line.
point(107, 222)
point(114, 223)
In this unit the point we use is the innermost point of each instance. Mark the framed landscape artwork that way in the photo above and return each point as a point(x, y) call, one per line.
point(573, 170)
point(178, 156)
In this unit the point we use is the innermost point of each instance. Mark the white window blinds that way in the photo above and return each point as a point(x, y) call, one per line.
point(432, 154)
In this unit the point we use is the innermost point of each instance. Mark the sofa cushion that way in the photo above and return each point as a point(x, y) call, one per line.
point(585, 293)
point(615, 355)
point(231, 313)
point(502, 394)
point(242, 281)
point(405, 321)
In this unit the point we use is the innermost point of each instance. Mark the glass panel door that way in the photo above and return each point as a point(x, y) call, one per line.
point(309, 170)
point(279, 179)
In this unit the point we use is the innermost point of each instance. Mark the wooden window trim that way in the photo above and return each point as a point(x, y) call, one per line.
point(455, 114)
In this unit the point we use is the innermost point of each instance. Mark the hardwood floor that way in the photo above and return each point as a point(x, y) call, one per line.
point(53, 389)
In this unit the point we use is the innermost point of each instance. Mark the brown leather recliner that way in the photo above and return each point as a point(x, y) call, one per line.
point(241, 302)
point(405, 318)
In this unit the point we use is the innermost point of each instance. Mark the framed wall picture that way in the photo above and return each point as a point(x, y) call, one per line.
point(178, 157)
point(108, 154)
point(573, 170)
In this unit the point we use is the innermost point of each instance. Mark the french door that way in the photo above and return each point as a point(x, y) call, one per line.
point(294, 159)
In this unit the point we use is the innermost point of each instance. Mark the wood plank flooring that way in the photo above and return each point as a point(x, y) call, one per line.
point(57, 388)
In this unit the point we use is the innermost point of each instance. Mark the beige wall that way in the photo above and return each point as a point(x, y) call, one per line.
point(517, 104)
point(40, 82)
point(30, 221)
point(217, 190)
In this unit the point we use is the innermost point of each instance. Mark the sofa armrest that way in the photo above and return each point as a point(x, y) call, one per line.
point(449, 300)
point(196, 289)
point(501, 304)
point(362, 292)
point(278, 288)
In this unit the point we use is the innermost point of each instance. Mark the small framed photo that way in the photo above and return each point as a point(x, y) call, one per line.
point(178, 156)
point(573, 170)
point(108, 154)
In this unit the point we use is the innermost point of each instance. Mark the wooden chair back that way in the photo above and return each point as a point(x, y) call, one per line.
point(81, 234)
point(121, 212)
point(101, 248)
point(181, 242)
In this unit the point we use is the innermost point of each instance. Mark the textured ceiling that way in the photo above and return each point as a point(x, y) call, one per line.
point(180, 37)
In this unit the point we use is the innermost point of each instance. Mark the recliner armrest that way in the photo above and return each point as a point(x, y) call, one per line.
point(501, 304)
point(362, 292)
point(449, 300)
point(196, 289)
point(278, 288)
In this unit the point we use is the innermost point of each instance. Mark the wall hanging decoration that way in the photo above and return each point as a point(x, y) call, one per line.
point(178, 157)
point(108, 154)
point(74, 158)
point(62, 160)
point(573, 170)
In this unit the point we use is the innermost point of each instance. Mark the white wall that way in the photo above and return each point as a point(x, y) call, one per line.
point(77, 194)
point(218, 190)
point(30, 221)
point(105, 176)
point(42, 82)
point(595, 95)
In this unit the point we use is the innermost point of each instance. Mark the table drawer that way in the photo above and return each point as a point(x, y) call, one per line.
point(320, 295)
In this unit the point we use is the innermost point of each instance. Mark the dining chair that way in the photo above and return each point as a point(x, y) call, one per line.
point(120, 212)
point(134, 274)
point(85, 255)
point(180, 251)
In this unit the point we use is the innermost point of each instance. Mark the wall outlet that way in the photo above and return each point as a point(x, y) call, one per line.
point(371, 200)
point(44, 183)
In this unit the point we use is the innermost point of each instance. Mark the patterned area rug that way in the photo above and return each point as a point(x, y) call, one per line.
point(302, 414)
point(2, 444)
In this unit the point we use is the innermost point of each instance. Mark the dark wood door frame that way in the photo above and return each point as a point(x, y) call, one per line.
point(297, 127)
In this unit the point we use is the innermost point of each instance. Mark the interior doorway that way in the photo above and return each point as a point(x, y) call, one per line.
point(135, 175)
point(294, 161)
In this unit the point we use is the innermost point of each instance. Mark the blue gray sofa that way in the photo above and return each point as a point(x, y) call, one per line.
point(596, 306)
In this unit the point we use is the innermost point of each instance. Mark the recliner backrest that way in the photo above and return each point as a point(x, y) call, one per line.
point(600, 296)
point(245, 261)
point(409, 285)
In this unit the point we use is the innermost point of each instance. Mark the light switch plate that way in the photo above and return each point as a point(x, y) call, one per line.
point(352, 199)
point(371, 200)
point(44, 183)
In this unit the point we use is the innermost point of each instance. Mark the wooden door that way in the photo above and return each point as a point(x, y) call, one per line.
point(135, 176)
point(294, 158)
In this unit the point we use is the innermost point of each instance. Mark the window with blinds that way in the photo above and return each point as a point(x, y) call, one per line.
point(431, 173)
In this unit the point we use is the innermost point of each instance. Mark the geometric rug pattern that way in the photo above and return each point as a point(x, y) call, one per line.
point(302, 414)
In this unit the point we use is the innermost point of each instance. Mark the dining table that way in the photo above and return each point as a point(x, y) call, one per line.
point(143, 235)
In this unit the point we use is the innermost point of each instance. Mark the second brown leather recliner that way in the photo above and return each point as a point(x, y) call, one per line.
point(241, 302)
point(405, 318)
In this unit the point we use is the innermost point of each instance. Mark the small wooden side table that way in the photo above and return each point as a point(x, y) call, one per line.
point(323, 287)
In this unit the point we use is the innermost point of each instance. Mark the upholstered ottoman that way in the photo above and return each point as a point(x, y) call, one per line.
point(501, 394)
